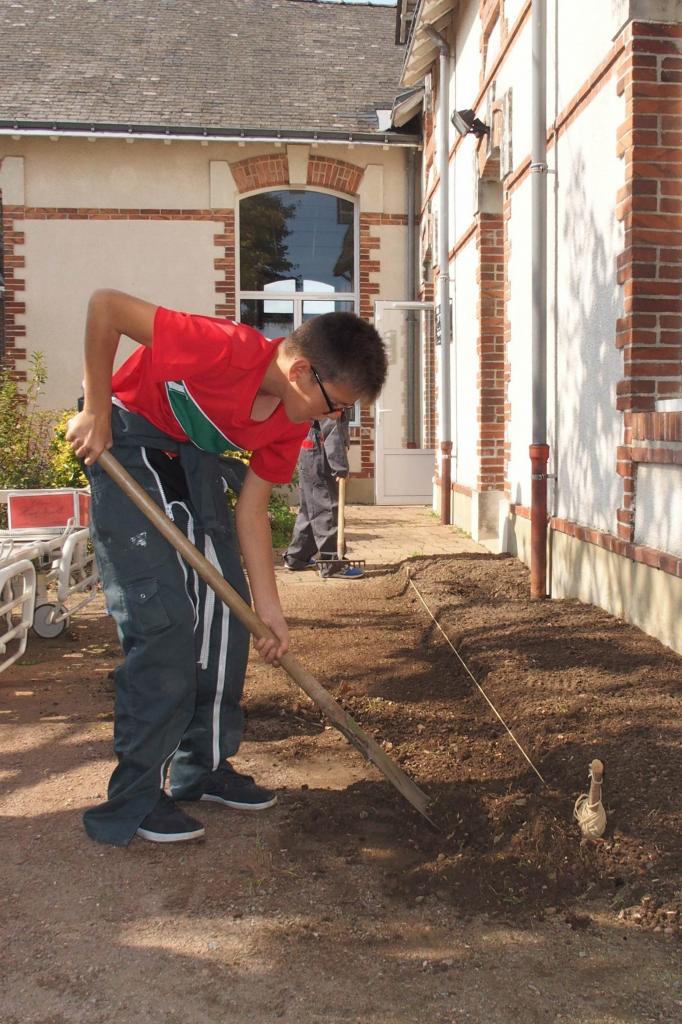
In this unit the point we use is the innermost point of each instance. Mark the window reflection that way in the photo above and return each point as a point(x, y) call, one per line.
point(297, 238)
point(273, 318)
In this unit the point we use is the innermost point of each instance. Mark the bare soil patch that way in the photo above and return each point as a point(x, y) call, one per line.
point(342, 905)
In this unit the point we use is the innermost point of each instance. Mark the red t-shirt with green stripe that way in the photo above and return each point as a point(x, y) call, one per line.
point(198, 382)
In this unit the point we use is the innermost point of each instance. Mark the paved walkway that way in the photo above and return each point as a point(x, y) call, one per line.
point(388, 534)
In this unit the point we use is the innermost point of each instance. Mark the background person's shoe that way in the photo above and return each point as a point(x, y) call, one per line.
point(351, 572)
point(232, 789)
point(167, 823)
point(310, 564)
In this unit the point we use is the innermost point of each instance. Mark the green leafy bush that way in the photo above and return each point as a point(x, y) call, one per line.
point(282, 521)
point(281, 517)
point(25, 430)
point(66, 469)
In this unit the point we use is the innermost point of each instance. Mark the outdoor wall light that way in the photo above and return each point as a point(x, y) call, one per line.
point(466, 123)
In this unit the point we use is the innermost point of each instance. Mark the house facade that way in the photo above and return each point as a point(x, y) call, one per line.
point(600, 367)
point(269, 162)
point(198, 163)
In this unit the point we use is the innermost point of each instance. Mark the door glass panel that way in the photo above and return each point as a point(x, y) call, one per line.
point(315, 307)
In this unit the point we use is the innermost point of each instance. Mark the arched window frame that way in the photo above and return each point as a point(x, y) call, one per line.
point(298, 298)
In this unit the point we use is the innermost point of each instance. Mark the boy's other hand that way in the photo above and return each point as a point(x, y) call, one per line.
point(89, 435)
point(271, 650)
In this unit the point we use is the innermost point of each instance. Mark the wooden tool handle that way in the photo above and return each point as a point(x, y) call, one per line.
point(596, 777)
point(341, 541)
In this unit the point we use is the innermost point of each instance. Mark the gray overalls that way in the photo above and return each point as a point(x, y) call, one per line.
point(324, 456)
point(179, 687)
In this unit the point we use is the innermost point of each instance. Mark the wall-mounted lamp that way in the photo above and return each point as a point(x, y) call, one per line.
point(466, 123)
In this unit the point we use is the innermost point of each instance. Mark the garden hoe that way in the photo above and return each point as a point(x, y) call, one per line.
point(342, 721)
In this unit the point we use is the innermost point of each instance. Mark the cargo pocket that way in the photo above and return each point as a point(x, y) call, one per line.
point(146, 609)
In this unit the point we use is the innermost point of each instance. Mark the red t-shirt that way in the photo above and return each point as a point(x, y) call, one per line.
point(198, 382)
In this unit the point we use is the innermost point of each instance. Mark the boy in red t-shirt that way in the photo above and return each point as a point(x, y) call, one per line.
point(195, 388)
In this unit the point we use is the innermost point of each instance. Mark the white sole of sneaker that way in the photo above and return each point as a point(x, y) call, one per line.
point(169, 837)
point(239, 807)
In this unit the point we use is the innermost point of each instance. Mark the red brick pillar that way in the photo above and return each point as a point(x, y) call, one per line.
point(650, 207)
point(491, 352)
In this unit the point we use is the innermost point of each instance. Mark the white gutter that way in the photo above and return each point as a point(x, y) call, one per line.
point(407, 141)
point(539, 449)
point(445, 425)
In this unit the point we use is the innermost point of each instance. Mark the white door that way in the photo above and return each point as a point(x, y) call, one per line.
point(404, 461)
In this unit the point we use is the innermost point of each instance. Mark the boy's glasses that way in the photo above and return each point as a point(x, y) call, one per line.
point(330, 405)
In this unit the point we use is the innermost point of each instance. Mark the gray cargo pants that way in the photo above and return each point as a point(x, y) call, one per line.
point(179, 687)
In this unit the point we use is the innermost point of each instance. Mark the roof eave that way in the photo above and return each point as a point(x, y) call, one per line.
point(422, 50)
point(75, 129)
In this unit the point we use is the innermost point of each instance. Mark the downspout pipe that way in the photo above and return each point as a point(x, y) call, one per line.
point(539, 449)
point(413, 383)
point(444, 273)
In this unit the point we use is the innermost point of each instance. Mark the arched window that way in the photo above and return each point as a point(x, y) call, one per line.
point(297, 258)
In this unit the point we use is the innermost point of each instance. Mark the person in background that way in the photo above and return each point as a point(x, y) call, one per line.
point(322, 463)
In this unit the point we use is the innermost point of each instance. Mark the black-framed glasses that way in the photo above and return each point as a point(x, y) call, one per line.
point(330, 405)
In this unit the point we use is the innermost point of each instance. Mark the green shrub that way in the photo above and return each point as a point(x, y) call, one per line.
point(66, 469)
point(282, 521)
point(281, 517)
point(25, 432)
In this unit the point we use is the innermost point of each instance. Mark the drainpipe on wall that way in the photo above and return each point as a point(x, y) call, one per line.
point(539, 449)
point(444, 274)
point(413, 430)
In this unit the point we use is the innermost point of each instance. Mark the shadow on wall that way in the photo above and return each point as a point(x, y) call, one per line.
point(587, 426)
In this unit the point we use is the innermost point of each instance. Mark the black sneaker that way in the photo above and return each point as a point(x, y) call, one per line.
point(228, 787)
point(168, 824)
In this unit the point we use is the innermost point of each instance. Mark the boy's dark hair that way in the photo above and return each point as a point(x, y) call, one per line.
point(343, 347)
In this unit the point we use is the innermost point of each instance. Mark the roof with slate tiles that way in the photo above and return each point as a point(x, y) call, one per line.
point(218, 67)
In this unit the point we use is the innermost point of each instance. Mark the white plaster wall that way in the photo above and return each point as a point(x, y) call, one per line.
point(494, 43)
point(658, 522)
point(464, 88)
point(462, 190)
point(393, 253)
point(169, 263)
point(464, 365)
point(395, 174)
point(580, 35)
point(519, 349)
point(112, 173)
point(467, 57)
point(515, 72)
point(585, 429)
point(512, 9)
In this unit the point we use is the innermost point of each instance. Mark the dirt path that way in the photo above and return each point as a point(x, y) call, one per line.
point(339, 905)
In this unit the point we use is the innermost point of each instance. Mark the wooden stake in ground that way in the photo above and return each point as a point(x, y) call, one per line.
point(589, 811)
point(339, 718)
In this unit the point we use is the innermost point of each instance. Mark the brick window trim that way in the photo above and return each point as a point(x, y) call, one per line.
point(271, 171)
point(641, 553)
